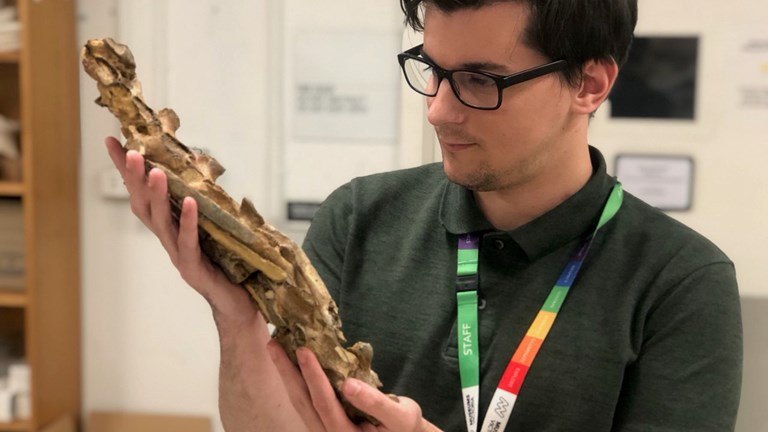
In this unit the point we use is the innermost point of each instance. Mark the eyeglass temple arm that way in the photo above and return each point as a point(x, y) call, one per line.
point(534, 72)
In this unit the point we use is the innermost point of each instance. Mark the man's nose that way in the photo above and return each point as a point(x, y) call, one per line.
point(445, 107)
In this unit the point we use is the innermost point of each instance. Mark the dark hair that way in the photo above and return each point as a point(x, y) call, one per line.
point(574, 30)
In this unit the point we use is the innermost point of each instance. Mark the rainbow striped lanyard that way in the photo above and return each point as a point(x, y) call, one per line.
point(506, 393)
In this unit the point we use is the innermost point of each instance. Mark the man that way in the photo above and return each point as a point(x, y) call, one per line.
point(641, 331)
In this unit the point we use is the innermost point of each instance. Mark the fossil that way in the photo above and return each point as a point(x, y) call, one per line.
point(270, 266)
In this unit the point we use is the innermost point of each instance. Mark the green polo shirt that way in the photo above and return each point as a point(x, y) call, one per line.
point(649, 338)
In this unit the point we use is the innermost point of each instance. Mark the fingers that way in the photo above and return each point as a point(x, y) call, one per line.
point(158, 198)
point(323, 396)
point(196, 269)
point(116, 153)
point(130, 165)
point(150, 203)
point(403, 415)
point(314, 399)
point(149, 193)
point(193, 266)
point(188, 228)
point(297, 389)
point(136, 182)
point(187, 242)
point(160, 217)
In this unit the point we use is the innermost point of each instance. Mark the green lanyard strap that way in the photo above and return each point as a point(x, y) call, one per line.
point(469, 353)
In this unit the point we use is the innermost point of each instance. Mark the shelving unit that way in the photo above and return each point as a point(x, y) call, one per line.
point(9, 57)
point(17, 426)
point(11, 189)
point(39, 88)
point(11, 299)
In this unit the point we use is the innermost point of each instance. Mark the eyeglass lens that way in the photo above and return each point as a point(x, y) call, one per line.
point(472, 88)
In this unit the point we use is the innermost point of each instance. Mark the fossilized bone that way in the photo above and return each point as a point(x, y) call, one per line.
point(275, 271)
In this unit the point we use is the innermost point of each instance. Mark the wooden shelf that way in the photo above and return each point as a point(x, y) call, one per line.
point(17, 299)
point(11, 189)
point(39, 88)
point(9, 56)
point(15, 426)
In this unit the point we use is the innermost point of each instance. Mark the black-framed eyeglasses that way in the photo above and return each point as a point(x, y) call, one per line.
point(473, 88)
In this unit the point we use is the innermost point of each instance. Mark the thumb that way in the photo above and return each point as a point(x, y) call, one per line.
point(395, 413)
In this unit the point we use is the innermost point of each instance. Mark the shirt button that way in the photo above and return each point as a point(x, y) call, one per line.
point(499, 244)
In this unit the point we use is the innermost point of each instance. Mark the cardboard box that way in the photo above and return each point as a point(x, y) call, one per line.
point(134, 422)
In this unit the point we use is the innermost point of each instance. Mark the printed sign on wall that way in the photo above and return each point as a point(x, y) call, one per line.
point(343, 88)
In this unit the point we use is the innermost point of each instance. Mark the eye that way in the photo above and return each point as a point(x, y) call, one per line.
point(479, 81)
point(475, 81)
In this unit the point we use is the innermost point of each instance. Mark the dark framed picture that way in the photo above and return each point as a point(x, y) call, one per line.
point(659, 79)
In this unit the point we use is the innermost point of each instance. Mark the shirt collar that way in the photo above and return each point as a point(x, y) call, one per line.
point(572, 219)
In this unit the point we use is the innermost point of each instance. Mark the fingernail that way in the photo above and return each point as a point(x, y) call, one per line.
point(352, 387)
point(186, 202)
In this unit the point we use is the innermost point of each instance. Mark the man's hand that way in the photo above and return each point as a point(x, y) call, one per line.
point(314, 399)
point(243, 333)
point(251, 396)
point(149, 202)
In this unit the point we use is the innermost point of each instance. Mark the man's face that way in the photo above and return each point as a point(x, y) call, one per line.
point(519, 143)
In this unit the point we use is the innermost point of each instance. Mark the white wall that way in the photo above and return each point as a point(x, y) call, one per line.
point(727, 144)
point(149, 341)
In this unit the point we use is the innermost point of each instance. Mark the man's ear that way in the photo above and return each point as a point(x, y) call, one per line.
point(597, 82)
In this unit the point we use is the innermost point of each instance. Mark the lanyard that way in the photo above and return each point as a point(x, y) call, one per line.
point(508, 389)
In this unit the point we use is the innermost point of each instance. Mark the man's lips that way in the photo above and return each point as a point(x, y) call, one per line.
point(456, 146)
point(454, 139)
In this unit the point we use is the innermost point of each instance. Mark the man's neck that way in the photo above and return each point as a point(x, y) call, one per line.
point(515, 206)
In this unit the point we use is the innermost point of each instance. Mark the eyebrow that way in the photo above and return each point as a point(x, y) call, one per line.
point(475, 66)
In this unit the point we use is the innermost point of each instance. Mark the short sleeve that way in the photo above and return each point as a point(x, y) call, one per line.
point(687, 377)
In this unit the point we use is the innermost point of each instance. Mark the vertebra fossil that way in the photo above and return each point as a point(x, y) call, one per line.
point(275, 271)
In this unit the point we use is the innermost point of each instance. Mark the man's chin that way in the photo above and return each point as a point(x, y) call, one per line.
point(476, 182)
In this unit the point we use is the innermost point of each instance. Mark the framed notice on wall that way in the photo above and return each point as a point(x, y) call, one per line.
point(665, 182)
